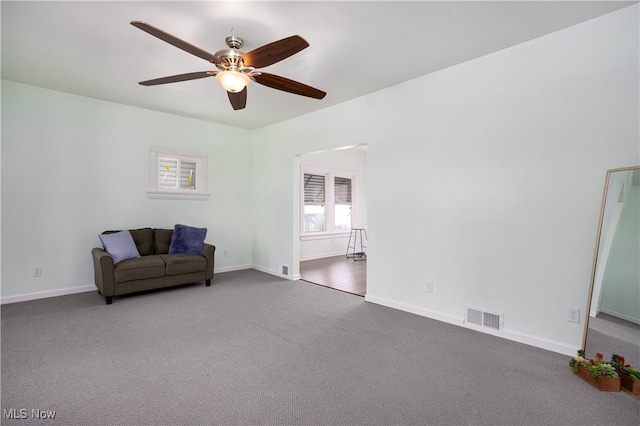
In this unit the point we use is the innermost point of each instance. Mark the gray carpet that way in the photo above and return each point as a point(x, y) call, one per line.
point(256, 349)
point(611, 335)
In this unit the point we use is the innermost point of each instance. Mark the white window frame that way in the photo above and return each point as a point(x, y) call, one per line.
point(329, 180)
point(199, 158)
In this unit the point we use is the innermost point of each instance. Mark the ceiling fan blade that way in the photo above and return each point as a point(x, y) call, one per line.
point(238, 99)
point(177, 78)
point(274, 52)
point(171, 39)
point(286, 85)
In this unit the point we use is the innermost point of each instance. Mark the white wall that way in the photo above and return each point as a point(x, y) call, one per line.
point(354, 160)
point(73, 167)
point(485, 178)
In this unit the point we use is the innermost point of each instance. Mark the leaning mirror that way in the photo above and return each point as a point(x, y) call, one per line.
point(612, 323)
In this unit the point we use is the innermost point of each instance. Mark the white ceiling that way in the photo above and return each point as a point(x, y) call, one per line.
point(90, 49)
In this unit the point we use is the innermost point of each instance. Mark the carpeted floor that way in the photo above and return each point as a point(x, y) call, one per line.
point(611, 335)
point(256, 349)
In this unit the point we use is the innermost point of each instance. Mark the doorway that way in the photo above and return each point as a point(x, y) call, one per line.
point(322, 251)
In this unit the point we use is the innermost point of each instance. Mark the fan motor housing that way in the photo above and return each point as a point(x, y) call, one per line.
point(234, 42)
point(231, 57)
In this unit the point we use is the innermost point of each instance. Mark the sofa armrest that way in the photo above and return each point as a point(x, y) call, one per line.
point(103, 271)
point(209, 251)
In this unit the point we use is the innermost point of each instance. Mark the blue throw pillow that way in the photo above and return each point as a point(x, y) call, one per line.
point(187, 240)
point(119, 245)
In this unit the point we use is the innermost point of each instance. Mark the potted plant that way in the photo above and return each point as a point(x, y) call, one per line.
point(580, 365)
point(629, 376)
point(604, 375)
point(600, 374)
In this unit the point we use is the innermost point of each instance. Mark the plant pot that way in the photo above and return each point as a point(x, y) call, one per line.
point(607, 383)
point(603, 383)
point(629, 384)
point(584, 373)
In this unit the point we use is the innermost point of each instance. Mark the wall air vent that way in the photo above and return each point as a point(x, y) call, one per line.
point(283, 269)
point(474, 316)
point(484, 318)
point(491, 320)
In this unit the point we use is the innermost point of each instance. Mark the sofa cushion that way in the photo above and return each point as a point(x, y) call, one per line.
point(144, 240)
point(142, 268)
point(187, 240)
point(119, 245)
point(162, 240)
point(178, 264)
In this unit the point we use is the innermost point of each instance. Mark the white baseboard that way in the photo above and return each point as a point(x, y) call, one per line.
point(504, 333)
point(274, 272)
point(415, 310)
point(47, 293)
point(231, 269)
point(257, 268)
point(621, 316)
point(85, 288)
point(540, 343)
point(323, 255)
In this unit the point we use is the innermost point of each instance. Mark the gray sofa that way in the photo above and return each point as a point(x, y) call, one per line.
point(155, 268)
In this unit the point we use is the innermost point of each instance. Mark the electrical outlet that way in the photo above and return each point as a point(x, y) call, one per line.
point(37, 271)
point(429, 287)
point(573, 315)
point(226, 253)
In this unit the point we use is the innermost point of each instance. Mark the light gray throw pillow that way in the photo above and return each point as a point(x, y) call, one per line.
point(119, 245)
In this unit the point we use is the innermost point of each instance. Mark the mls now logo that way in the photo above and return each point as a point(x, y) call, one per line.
point(15, 413)
point(23, 413)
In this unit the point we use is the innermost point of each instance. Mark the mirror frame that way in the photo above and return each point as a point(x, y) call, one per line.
point(595, 254)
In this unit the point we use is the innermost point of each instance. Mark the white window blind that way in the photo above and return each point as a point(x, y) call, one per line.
point(313, 189)
point(177, 174)
point(342, 203)
point(314, 203)
point(343, 190)
point(327, 201)
point(167, 173)
point(188, 175)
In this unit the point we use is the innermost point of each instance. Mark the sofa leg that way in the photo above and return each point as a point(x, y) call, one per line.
point(208, 283)
point(109, 300)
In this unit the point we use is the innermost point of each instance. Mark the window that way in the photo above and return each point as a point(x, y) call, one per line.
point(342, 203)
point(327, 201)
point(314, 203)
point(177, 174)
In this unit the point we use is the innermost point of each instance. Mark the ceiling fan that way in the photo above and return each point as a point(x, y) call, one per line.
point(236, 69)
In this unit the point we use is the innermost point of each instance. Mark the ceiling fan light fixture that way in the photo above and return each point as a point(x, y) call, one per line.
point(233, 81)
point(237, 68)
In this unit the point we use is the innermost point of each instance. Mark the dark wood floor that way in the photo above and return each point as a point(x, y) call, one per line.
point(336, 272)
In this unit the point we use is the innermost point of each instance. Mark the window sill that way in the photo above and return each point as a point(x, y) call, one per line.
point(177, 196)
point(324, 235)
